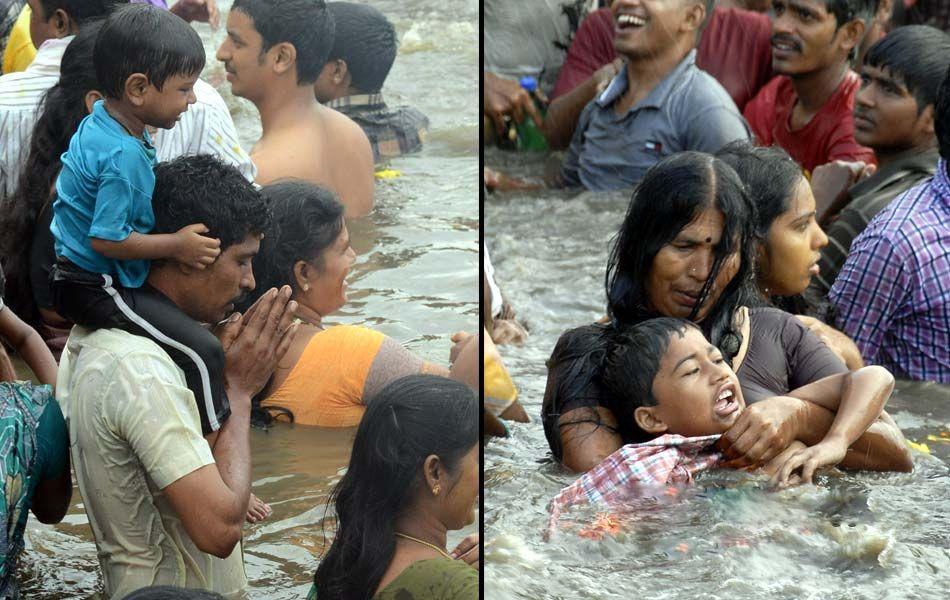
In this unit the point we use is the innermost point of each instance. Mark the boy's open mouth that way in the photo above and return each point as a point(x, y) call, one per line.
point(726, 401)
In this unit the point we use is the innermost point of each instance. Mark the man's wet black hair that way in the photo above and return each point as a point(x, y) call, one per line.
point(80, 10)
point(141, 38)
point(846, 11)
point(631, 364)
point(942, 118)
point(202, 189)
point(366, 40)
point(915, 55)
point(305, 24)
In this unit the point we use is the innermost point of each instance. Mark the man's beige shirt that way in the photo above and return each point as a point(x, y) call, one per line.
point(134, 429)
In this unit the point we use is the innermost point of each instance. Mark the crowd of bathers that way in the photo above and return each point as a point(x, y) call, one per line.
point(785, 254)
point(164, 289)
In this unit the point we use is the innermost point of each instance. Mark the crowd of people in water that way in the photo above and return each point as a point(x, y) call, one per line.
point(167, 288)
point(785, 254)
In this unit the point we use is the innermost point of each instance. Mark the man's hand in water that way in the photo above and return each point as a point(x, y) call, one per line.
point(468, 551)
point(827, 453)
point(255, 342)
point(257, 510)
point(205, 11)
point(763, 431)
point(505, 97)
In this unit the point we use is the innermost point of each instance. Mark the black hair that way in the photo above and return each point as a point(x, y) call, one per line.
point(60, 110)
point(917, 55)
point(167, 592)
point(631, 364)
point(80, 10)
point(771, 178)
point(306, 220)
point(202, 189)
point(671, 194)
point(846, 11)
point(366, 40)
point(306, 24)
point(141, 38)
point(942, 118)
point(407, 421)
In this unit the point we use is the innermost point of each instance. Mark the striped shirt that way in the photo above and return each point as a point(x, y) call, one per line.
point(205, 128)
point(893, 293)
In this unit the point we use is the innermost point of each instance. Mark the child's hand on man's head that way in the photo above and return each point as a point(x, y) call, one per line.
point(194, 249)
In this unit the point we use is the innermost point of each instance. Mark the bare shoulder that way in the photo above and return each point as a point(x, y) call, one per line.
point(341, 125)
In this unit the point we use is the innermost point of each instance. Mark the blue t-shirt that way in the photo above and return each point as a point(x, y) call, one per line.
point(104, 190)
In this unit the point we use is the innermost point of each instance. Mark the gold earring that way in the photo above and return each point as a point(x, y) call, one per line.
point(436, 489)
point(306, 287)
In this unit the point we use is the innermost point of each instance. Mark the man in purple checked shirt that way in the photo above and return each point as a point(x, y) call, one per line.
point(205, 11)
point(893, 294)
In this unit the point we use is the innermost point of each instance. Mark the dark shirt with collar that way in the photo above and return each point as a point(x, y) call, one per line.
point(687, 110)
point(391, 132)
point(865, 200)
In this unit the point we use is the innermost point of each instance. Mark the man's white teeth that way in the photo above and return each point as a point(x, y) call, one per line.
point(726, 394)
point(631, 20)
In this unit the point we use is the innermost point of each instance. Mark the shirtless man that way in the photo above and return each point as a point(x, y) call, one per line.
point(273, 54)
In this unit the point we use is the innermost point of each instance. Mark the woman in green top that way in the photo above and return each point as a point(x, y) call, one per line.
point(413, 475)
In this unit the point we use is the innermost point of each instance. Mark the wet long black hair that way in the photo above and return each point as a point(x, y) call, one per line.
point(306, 219)
point(669, 197)
point(407, 421)
point(61, 109)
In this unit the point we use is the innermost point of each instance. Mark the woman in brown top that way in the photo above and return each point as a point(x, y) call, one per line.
point(686, 249)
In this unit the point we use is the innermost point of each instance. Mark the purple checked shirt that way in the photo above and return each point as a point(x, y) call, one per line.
point(158, 3)
point(893, 293)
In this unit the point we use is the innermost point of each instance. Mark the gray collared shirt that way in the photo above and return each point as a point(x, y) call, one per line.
point(688, 110)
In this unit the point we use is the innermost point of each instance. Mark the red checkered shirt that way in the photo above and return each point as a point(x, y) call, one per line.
point(636, 468)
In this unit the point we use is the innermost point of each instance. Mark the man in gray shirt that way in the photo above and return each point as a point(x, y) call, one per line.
point(659, 104)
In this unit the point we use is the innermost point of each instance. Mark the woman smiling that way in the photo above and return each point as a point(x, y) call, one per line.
point(329, 370)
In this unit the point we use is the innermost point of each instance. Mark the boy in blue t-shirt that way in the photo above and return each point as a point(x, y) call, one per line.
point(147, 61)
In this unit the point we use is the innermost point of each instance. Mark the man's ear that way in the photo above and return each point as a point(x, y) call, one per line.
point(694, 17)
point(63, 25)
point(851, 34)
point(285, 57)
point(926, 120)
point(92, 96)
point(136, 88)
point(648, 421)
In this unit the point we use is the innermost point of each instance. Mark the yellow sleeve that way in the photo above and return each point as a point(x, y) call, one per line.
point(20, 51)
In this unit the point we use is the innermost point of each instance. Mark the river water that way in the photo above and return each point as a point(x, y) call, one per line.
point(855, 536)
point(415, 280)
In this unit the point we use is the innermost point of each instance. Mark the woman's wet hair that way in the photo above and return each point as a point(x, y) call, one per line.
point(771, 178)
point(306, 219)
point(671, 195)
point(631, 364)
point(141, 38)
point(60, 111)
point(409, 420)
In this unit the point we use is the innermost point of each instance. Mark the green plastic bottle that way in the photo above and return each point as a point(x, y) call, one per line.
point(530, 138)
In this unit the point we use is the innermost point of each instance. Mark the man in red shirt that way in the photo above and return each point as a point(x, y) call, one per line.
point(807, 109)
point(734, 47)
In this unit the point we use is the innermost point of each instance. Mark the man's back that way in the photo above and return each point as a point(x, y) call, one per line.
point(327, 149)
point(134, 429)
